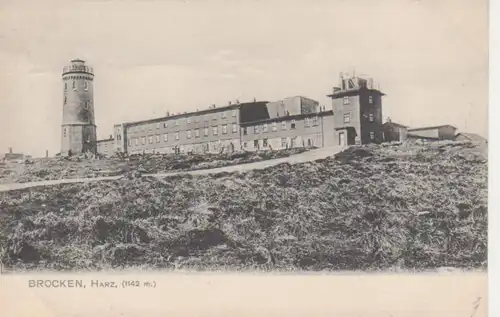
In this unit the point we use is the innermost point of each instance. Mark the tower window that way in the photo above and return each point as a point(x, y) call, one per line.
point(74, 85)
point(370, 117)
point(86, 104)
point(65, 86)
point(347, 117)
point(85, 85)
point(346, 100)
point(370, 99)
point(65, 100)
point(64, 132)
point(372, 135)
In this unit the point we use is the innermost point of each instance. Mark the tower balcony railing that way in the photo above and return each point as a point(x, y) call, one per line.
point(78, 68)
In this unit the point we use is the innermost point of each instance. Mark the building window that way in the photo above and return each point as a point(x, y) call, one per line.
point(197, 133)
point(370, 100)
point(274, 128)
point(158, 125)
point(129, 142)
point(347, 117)
point(371, 117)
point(245, 144)
point(143, 140)
point(188, 133)
point(197, 119)
point(372, 135)
point(256, 143)
point(292, 125)
point(235, 127)
point(315, 121)
point(346, 100)
point(264, 142)
point(188, 120)
point(283, 125)
point(244, 131)
point(177, 122)
point(64, 132)
point(214, 116)
point(165, 124)
point(177, 135)
point(205, 132)
point(256, 129)
point(224, 129)
point(215, 130)
point(150, 139)
point(165, 137)
point(234, 113)
point(283, 142)
point(86, 105)
point(223, 114)
point(306, 122)
point(85, 85)
point(74, 85)
point(157, 138)
point(65, 100)
point(136, 141)
point(264, 127)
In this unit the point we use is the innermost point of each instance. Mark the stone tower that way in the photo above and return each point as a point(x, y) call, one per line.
point(78, 134)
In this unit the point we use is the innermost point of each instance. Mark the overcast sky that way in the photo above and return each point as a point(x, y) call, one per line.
point(150, 56)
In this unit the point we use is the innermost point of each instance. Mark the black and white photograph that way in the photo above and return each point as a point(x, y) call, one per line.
point(244, 158)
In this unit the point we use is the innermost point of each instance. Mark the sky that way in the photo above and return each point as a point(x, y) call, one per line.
point(149, 56)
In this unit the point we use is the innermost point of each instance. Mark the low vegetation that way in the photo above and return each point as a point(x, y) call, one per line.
point(368, 208)
point(33, 170)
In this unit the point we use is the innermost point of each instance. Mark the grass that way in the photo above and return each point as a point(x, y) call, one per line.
point(412, 207)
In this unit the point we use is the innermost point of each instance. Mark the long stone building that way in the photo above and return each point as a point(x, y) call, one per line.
point(354, 117)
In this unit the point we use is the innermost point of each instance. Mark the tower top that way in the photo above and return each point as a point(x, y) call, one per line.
point(77, 66)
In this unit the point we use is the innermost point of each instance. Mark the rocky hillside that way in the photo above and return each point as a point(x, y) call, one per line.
point(369, 207)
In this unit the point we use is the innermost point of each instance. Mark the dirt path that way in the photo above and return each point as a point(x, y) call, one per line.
point(294, 159)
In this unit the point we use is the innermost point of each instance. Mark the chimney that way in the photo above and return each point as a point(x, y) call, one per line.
point(46, 153)
point(254, 99)
point(229, 102)
point(110, 136)
point(10, 150)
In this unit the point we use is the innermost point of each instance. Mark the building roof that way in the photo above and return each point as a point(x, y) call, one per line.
point(188, 114)
point(348, 92)
point(471, 136)
point(432, 127)
point(395, 124)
